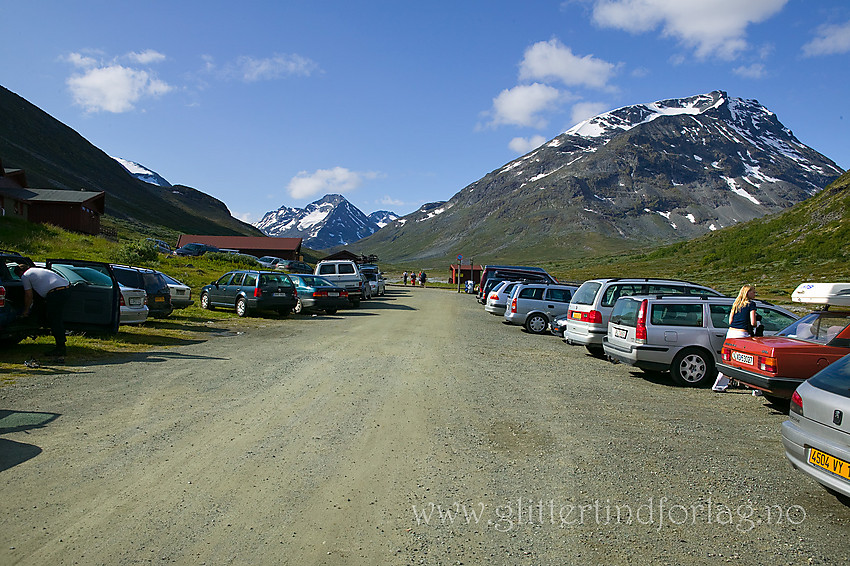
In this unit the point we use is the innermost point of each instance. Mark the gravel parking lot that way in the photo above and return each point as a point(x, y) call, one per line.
point(417, 429)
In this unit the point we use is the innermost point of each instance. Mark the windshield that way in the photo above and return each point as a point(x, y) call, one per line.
point(820, 327)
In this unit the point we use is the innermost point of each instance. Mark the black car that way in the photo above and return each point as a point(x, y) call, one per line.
point(247, 290)
point(90, 307)
point(195, 249)
point(152, 282)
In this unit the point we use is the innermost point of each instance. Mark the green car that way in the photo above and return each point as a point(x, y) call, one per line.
point(318, 294)
point(247, 290)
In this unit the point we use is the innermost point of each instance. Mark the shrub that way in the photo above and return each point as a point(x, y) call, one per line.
point(138, 252)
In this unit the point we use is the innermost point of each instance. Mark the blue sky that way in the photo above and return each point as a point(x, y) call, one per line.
point(394, 103)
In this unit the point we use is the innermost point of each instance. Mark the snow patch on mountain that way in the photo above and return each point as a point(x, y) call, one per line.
point(142, 173)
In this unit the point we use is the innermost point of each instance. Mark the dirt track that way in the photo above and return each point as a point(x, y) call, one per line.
point(346, 439)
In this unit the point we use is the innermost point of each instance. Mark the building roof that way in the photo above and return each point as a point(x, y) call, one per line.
point(50, 195)
point(243, 242)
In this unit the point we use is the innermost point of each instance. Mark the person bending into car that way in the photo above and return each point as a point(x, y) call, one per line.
point(53, 288)
point(742, 323)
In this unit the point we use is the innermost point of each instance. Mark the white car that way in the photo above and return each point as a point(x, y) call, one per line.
point(134, 306)
point(181, 294)
point(497, 299)
point(376, 282)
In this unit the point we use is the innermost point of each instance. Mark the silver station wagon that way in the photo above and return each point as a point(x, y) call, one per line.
point(535, 305)
point(679, 334)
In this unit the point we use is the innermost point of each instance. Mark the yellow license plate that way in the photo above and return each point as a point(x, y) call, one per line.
point(577, 315)
point(159, 299)
point(829, 463)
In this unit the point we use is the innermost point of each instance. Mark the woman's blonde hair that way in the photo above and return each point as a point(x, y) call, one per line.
point(741, 301)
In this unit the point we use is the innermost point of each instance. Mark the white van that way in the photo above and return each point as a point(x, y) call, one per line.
point(346, 274)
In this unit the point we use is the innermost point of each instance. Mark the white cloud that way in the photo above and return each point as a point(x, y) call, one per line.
point(524, 145)
point(552, 60)
point(250, 69)
point(336, 180)
point(754, 71)
point(830, 40)
point(711, 27)
point(146, 57)
point(111, 87)
point(387, 200)
point(521, 105)
point(584, 110)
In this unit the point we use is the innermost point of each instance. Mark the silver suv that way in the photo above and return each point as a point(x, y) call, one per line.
point(534, 305)
point(591, 305)
point(682, 335)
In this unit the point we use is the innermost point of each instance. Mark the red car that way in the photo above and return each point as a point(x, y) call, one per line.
point(777, 364)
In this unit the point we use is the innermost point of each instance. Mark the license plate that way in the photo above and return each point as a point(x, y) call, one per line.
point(159, 299)
point(742, 358)
point(620, 333)
point(577, 315)
point(279, 295)
point(333, 294)
point(134, 302)
point(829, 463)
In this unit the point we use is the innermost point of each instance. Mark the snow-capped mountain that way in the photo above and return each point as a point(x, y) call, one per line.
point(142, 173)
point(328, 222)
point(637, 176)
point(382, 217)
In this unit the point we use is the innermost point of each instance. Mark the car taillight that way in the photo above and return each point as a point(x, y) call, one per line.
point(766, 364)
point(640, 328)
point(258, 292)
point(320, 293)
point(343, 293)
point(2, 296)
point(726, 353)
point(513, 306)
point(494, 297)
point(796, 405)
point(593, 317)
point(120, 301)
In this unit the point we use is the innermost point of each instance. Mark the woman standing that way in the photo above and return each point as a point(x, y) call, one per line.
point(742, 322)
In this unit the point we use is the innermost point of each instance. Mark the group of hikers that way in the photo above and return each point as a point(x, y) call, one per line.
point(423, 277)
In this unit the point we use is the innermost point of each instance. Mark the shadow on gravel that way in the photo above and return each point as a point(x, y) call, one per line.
point(13, 453)
point(149, 357)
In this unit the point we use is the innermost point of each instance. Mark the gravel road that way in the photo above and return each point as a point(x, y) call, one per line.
point(417, 429)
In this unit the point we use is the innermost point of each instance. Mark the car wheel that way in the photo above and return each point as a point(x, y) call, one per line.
point(692, 367)
point(241, 307)
point(298, 307)
point(205, 302)
point(330, 311)
point(536, 324)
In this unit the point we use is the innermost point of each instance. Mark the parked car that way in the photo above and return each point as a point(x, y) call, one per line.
point(559, 324)
point(318, 294)
point(247, 290)
point(132, 303)
point(269, 261)
point(680, 334)
point(346, 274)
point(493, 274)
point(181, 294)
point(497, 298)
point(375, 278)
point(91, 307)
point(195, 249)
point(816, 436)
point(591, 305)
point(154, 284)
point(294, 266)
point(161, 246)
point(776, 365)
point(533, 305)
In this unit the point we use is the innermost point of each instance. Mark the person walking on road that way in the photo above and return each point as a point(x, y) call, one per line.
point(405, 279)
point(422, 277)
point(413, 278)
point(51, 287)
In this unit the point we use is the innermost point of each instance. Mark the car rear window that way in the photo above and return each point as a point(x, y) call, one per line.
point(275, 279)
point(531, 293)
point(327, 269)
point(674, 314)
point(128, 277)
point(625, 312)
point(834, 378)
point(819, 327)
point(586, 294)
point(154, 283)
point(346, 268)
point(774, 321)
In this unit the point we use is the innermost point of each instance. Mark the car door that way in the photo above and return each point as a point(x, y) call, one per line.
point(218, 289)
point(230, 291)
point(94, 303)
